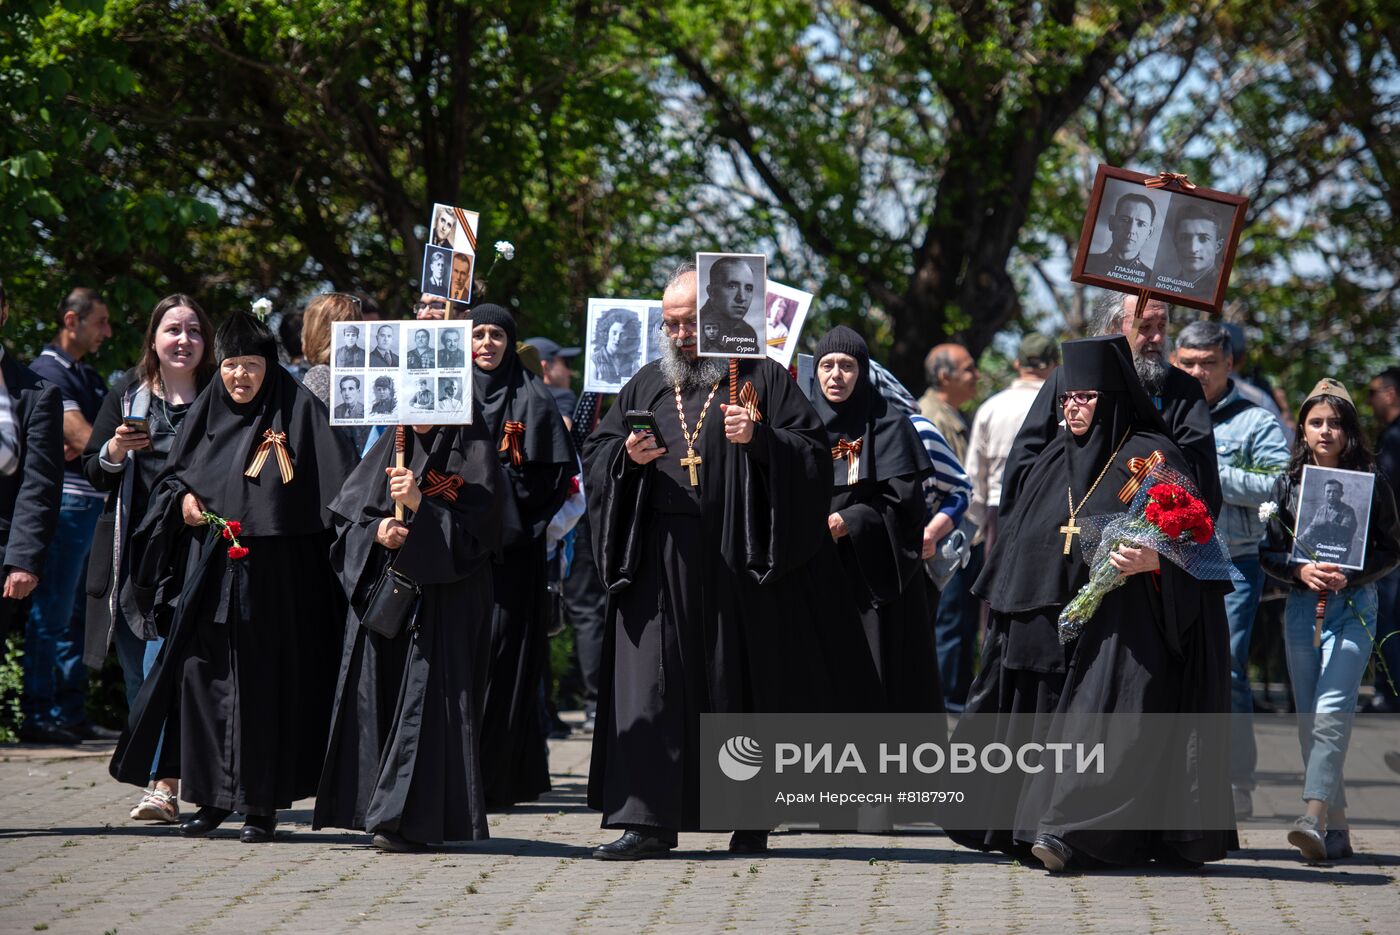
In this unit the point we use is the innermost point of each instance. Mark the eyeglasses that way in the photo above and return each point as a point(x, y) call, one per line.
point(675, 327)
point(346, 295)
point(1078, 397)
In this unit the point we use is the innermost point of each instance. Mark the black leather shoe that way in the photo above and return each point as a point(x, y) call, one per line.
point(1054, 853)
point(396, 843)
point(56, 735)
point(259, 829)
point(96, 732)
point(748, 842)
point(634, 845)
point(204, 821)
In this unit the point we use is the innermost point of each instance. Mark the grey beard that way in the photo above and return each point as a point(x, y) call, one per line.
point(680, 370)
point(1152, 371)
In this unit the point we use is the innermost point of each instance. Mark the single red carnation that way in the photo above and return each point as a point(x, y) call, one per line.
point(573, 485)
point(236, 552)
point(235, 527)
point(226, 533)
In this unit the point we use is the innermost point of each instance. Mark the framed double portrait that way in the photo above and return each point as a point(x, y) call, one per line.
point(1172, 240)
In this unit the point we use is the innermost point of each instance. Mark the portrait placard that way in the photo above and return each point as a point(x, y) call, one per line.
point(1334, 513)
point(415, 371)
point(785, 312)
point(615, 346)
point(450, 255)
point(1175, 242)
point(731, 304)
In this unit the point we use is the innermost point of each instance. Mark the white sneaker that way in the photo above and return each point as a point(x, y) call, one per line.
point(1308, 839)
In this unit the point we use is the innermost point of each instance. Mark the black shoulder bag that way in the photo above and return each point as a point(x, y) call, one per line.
point(391, 603)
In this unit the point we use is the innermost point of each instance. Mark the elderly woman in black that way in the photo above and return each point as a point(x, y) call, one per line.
point(538, 456)
point(232, 562)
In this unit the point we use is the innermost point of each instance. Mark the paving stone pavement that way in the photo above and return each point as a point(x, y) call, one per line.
point(71, 861)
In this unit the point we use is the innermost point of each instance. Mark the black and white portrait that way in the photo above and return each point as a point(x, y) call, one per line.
point(656, 338)
point(420, 355)
point(731, 299)
point(421, 397)
point(349, 398)
point(1127, 232)
point(443, 231)
point(615, 343)
point(385, 399)
point(460, 289)
point(349, 351)
point(451, 349)
point(1189, 261)
point(1334, 508)
point(450, 397)
point(437, 271)
point(384, 351)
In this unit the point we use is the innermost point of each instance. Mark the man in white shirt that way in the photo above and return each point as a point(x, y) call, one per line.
point(995, 426)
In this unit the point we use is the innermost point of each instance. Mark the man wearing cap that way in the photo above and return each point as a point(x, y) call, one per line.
point(555, 371)
point(1250, 451)
point(995, 426)
point(350, 353)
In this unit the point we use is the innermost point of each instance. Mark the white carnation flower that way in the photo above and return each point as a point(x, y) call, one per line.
point(506, 249)
point(1267, 511)
point(262, 307)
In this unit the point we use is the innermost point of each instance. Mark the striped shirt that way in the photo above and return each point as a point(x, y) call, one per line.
point(9, 430)
point(948, 490)
point(82, 390)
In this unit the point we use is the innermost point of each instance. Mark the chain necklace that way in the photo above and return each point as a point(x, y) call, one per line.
point(691, 459)
point(1072, 529)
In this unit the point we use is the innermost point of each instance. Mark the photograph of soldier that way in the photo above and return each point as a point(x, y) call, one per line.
point(352, 399)
point(350, 354)
point(1125, 242)
point(1334, 508)
point(383, 354)
point(450, 353)
point(460, 289)
point(421, 356)
point(1196, 243)
point(437, 270)
point(386, 400)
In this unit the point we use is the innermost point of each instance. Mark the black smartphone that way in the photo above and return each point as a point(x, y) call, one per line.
point(644, 420)
point(137, 424)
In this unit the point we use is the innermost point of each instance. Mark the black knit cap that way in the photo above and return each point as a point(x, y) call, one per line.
point(843, 340)
point(243, 335)
point(490, 314)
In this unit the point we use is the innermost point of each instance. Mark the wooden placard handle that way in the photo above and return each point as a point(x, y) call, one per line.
point(399, 442)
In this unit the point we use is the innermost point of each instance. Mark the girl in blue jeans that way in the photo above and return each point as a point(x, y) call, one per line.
point(1326, 677)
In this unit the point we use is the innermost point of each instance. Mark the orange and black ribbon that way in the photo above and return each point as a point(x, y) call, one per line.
point(1141, 469)
point(445, 486)
point(272, 441)
point(1163, 179)
point(512, 434)
point(850, 450)
point(748, 398)
point(466, 229)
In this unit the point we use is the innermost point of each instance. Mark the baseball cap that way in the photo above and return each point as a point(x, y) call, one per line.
point(549, 349)
point(1037, 350)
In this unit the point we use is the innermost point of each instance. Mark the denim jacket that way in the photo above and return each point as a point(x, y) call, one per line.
point(1248, 443)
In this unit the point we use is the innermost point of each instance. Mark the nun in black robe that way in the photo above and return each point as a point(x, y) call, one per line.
point(404, 756)
point(1157, 645)
point(538, 456)
point(243, 686)
point(883, 510)
point(720, 597)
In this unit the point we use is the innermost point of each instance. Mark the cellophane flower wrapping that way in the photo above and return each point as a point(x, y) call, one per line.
point(1171, 522)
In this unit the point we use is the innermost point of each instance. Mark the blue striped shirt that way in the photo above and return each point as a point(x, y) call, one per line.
point(948, 489)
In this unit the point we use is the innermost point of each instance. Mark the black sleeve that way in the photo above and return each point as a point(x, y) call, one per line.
point(886, 533)
point(1382, 537)
point(1278, 542)
point(41, 482)
point(617, 487)
point(103, 428)
point(1192, 430)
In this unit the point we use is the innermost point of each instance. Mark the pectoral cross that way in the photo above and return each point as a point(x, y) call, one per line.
point(692, 461)
point(1070, 531)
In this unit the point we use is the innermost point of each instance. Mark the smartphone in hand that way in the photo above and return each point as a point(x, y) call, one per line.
point(644, 420)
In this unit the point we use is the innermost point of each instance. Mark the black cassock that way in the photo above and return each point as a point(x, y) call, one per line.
point(717, 598)
point(1157, 645)
point(884, 511)
point(242, 688)
point(515, 755)
point(404, 752)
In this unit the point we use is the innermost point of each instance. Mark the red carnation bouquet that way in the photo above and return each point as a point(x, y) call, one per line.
point(230, 530)
point(1167, 516)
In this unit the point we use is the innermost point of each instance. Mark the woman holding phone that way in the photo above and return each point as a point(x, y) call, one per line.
point(130, 440)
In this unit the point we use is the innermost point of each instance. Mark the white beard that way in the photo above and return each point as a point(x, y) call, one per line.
point(689, 373)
